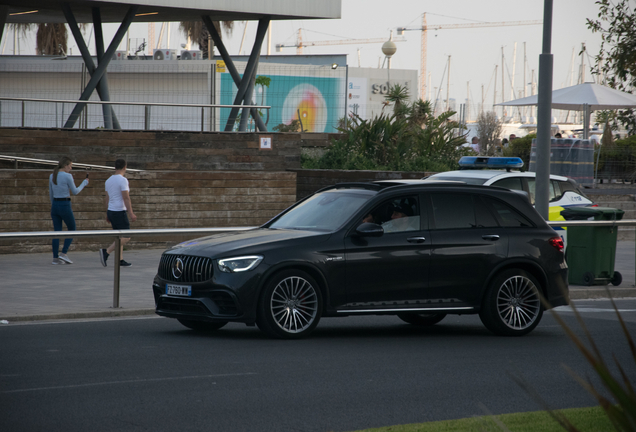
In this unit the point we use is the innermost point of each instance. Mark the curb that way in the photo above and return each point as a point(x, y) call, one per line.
point(80, 315)
point(583, 293)
point(575, 294)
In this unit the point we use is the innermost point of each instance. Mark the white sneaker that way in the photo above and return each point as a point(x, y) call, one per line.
point(65, 258)
point(57, 261)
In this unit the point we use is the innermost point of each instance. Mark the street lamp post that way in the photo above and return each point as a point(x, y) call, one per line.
point(389, 48)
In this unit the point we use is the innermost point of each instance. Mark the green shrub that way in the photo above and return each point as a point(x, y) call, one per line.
point(520, 147)
point(411, 140)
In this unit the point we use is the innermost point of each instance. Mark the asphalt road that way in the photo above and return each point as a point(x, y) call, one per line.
point(152, 374)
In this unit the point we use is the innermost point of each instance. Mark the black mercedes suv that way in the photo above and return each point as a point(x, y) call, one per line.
point(418, 250)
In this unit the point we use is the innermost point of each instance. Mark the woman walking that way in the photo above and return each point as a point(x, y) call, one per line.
point(61, 185)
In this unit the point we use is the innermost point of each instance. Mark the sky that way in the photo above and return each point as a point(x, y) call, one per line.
point(474, 52)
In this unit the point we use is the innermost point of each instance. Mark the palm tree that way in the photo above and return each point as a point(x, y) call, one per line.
point(399, 95)
point(198, 32)
point(51, 39)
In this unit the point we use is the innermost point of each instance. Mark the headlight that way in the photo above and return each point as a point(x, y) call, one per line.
point(239, 264)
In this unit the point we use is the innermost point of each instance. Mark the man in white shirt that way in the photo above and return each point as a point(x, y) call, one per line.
point(119, 208)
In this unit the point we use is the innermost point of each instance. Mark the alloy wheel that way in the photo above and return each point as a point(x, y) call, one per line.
point(518, 302)
point(294, 304)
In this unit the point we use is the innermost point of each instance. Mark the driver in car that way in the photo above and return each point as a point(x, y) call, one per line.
point(402, 219)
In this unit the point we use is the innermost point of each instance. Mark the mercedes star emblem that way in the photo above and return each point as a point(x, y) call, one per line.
point(177, 268)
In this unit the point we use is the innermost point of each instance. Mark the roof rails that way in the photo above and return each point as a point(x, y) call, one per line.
point(351, 185)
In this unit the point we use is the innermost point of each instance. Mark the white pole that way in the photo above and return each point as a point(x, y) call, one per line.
point(448, 86)
point(163, 27)
point(525, 83)
point(467, 110)
point(514, 68)
point(243, 39)
point(503, 84)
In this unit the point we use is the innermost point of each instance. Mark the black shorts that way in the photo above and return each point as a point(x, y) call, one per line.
point(118, 219)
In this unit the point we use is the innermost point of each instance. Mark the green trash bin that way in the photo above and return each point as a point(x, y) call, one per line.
point(591, 250)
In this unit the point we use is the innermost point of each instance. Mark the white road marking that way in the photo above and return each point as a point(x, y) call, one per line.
point(584, 309)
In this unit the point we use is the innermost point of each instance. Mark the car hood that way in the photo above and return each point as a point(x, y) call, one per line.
point(251, 241)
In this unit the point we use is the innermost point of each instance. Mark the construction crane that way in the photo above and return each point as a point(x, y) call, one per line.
point(425, 28)
point(300, 44)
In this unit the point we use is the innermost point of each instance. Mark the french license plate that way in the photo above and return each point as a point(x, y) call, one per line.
point(179, 290)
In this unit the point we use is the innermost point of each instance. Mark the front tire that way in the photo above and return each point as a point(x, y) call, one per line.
point(512, 305)
point(421, 319)
point(202, 326)
point(290, 305)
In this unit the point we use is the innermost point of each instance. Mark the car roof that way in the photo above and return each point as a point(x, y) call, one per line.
point(399, 184)
point(490, 174)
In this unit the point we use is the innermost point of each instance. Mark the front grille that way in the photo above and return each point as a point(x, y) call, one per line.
point(195, 269)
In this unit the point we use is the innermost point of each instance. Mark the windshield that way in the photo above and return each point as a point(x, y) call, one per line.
point(468, 180)
point(326, 211)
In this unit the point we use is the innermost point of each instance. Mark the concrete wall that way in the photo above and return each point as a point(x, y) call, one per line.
point(177, 199)
point(191, 180)
point(207, 151)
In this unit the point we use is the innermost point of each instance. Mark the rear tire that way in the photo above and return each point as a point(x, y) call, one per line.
point(512, 305)
point(290, 305)
point(202, 326)
point(422, 319)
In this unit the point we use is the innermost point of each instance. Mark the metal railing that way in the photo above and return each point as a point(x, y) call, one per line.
point(119, 234)
point(147, 108)
point(17, 159)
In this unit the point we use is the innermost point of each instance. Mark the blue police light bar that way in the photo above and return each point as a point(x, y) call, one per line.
point(467, 162)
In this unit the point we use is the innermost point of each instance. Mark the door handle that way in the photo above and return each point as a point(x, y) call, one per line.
point(416, 239)
point(491, 237)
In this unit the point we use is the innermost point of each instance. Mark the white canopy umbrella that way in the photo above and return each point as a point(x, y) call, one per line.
point(585, 97)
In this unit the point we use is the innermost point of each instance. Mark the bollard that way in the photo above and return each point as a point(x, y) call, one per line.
point(117, 272)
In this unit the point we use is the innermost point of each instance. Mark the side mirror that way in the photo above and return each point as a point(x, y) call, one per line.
point(368, 229)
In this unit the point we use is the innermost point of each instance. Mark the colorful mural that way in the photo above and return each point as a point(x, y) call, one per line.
point(318, 101)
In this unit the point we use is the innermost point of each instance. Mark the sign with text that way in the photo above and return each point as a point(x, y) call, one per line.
point(266, 142)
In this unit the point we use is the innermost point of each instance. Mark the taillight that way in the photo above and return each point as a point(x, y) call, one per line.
point(593, 205)
point(557, 243)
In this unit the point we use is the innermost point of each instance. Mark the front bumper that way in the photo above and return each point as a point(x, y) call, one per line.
point(228, 297)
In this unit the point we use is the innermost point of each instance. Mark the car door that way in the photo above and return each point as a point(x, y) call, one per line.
point(467, 243)
point(391, 270)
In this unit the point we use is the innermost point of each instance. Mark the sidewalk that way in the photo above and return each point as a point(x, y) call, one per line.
point(33, 289)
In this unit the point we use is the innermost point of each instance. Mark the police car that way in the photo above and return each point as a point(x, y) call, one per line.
point(498, 171)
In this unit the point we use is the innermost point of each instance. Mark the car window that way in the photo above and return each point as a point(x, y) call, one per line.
point(325, 211)
point(558, 193)
point(484, 214)
point(532, 187)
point(508, 216)
point(513, 183)
point(566, 186)
point(456, 211)
point(397, 215)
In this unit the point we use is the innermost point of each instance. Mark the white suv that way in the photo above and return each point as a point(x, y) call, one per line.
point(497, 171)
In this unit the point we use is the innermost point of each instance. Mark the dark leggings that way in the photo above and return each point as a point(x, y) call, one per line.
point(62, 211)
